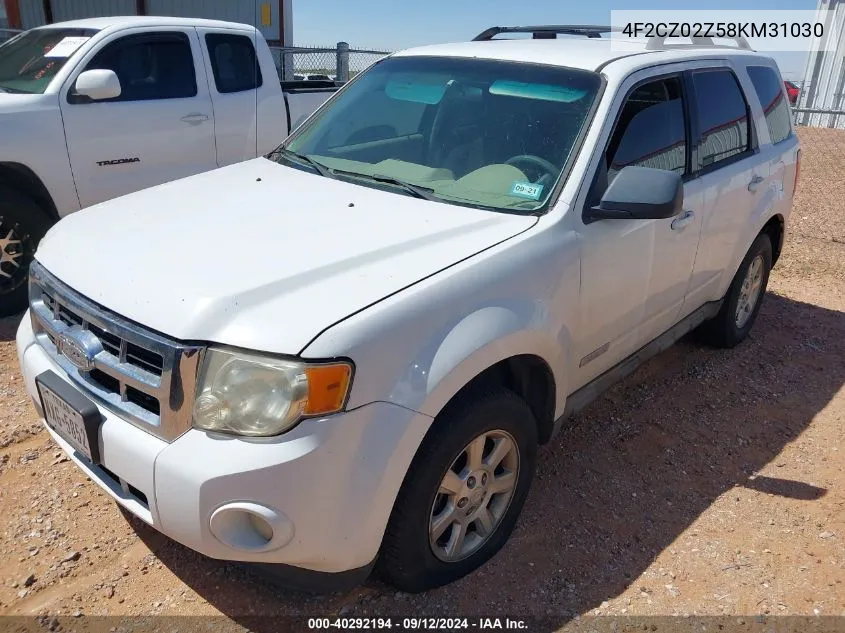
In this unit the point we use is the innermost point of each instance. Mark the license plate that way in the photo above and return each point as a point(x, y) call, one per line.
point(70, 414)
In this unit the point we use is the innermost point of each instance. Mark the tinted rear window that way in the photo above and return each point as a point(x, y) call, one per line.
point(722, 116)
point(770, 92)
point(233, 62)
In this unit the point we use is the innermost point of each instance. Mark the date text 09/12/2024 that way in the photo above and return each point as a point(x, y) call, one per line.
point(416, 624)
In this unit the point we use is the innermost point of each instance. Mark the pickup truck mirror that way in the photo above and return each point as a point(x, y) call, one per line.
point(98, 84)
point(640, 193)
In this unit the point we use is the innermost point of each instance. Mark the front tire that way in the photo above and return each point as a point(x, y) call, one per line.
point(743, 299)
point(461, 498)
point(22, 225)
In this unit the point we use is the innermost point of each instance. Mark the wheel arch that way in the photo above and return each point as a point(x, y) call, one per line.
point(775, 229)
point(494, 348)
point(529, 377)
point(770, 223)
point(26, 182)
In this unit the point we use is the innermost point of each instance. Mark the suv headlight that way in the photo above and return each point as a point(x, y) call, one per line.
point(259, 396)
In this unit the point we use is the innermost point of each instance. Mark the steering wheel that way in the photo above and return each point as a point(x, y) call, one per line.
point(547, 171)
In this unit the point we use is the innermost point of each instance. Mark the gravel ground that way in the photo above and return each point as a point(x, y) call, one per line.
point(708, 483)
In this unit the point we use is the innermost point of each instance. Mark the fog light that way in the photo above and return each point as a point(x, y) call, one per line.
point(261, 526)
point(250, 527)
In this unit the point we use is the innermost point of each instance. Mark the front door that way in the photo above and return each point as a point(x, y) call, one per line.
point(635, 273)
point(159, 129)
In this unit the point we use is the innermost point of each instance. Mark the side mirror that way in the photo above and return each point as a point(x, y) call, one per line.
point(98, 84)
point(640, 193)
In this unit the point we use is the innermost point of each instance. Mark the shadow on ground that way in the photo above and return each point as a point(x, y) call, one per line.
point(616, 488)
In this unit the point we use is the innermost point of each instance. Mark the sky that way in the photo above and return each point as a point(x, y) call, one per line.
point(397, 24)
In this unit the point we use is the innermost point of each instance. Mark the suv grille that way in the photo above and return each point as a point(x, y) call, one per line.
point(147, 379)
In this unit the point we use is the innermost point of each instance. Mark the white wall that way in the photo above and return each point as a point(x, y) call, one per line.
point(824, 76)
point(246, 11)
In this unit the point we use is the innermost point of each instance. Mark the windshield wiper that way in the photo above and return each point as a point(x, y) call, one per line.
point(328, 172)
point(318, 167)
point(415, 190)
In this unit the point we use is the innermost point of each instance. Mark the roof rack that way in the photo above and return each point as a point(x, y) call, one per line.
point(595, 31)
point(547, 32)
point(659, 43)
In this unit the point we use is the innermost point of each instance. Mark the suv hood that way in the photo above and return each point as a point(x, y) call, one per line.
point(258, 255)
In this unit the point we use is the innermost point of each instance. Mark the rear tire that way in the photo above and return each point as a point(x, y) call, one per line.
point(472, 474)
point(743, 300)
point(22, 225)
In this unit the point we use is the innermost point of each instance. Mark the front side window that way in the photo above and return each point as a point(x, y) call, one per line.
point(650, 131)
point(722, 115)
point(484, 133)
point(233, 62)
point(29, 62)
point(769, 90)
point(150, 66)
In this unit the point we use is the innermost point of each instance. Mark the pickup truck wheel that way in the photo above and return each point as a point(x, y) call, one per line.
point(22, 225)
point(464, 491)
point(744, 298)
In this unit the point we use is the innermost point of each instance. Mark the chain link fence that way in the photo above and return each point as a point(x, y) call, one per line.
point(337, 63)
point(818, 215)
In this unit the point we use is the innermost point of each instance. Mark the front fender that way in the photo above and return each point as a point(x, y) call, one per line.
point(418, 348)
point(478, 341)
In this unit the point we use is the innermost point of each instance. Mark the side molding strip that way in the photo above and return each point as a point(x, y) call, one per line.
point(589, 392)
point(594, 354)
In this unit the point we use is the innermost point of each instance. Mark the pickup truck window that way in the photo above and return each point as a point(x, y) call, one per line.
point(30, 61)
point(722, 115)
point(486, 133)
point(769, 90)
point(150, 66)
point(233, 63)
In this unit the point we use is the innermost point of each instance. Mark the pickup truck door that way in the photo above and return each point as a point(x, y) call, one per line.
point(635, 273)
point(160, 128)
point(241, 102)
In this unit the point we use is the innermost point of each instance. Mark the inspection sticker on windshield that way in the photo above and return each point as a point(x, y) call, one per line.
point(526, 190)
point(66, 47)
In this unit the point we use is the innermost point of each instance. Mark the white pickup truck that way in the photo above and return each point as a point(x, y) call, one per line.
point(348, 352)
point(95, 109)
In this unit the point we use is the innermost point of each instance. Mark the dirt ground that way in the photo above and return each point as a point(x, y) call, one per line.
point(710, 482)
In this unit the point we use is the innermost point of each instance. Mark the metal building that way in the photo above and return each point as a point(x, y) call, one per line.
point(274, 18)
point(823, 87)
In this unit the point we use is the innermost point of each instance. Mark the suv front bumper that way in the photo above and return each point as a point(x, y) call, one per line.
point(311, 504)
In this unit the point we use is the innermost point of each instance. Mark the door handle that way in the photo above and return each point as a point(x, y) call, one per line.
point(756, 180)
point(681, 221)
point(195, 117)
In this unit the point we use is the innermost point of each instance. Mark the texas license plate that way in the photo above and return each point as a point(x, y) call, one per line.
point(70, 414)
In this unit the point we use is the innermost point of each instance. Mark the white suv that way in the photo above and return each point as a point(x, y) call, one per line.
point(349, 351)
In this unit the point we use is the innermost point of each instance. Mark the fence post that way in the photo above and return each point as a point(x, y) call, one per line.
point(342, 69)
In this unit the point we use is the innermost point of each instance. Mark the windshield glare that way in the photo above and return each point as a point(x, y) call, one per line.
point(482, 132)
point(30, 61)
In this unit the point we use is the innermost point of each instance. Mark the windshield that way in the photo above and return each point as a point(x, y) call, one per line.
point(487, 133)
point(30, 61)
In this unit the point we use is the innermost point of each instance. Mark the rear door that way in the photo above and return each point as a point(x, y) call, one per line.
point(159, 129)
point(730, 173)
point(234, 81)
